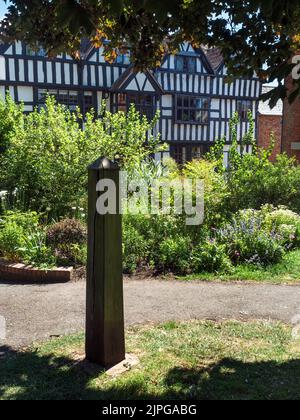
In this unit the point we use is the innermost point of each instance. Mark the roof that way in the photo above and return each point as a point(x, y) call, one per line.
point(264, 107)
point(214, 57)
point(85, 47)
point(128, 75)
point(3, 47)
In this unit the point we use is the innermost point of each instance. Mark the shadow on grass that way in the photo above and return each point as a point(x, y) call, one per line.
point(31, 376)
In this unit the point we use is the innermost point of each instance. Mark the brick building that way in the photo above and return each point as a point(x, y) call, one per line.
point(291, 125)
point(270, 124)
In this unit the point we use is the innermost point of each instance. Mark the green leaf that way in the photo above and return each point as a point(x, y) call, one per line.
point(115, 6)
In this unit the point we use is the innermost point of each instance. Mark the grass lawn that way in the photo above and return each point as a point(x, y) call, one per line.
point(286, 272)
point(192, 360)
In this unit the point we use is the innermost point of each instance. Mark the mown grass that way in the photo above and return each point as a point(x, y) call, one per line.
point(286, 272)
point(191, 360)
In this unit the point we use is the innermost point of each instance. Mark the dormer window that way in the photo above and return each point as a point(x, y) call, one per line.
point(35, 52)
point(123, 59)
point(185, 64)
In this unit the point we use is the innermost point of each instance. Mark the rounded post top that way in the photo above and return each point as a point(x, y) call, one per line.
point(103, 163)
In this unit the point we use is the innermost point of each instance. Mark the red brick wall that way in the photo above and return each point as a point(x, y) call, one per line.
point(291, 124)
point(268, 125)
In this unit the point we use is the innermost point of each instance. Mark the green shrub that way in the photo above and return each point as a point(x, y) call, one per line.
point(11, 118)
point(67, 240)
point(290, 236)
point(257, 181)
point(47, 156)
point(29, 220)
point(286, 223)
point(67, 231)
point(253, 180)
point(12, 238)
point(282, 216)
point(34, 250)
point(210, 257)
point(23, 239)
point(215, 189)
point(159, 241)
point(246, 240)
point(279, 221)
point(15, 227)
point(135, 252)
point(175, 255)
point(79, 254)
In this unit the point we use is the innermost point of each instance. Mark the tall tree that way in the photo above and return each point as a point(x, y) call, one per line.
point(254, 36)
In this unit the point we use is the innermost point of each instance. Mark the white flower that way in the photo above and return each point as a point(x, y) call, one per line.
point(3, 194)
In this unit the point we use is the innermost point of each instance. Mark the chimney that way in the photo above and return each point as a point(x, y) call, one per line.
point(291, 124)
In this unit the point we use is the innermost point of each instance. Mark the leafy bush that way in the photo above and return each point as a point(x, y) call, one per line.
point(286, 223)
point(280, 221)
point(67, 239)
point(11, 240)
point(48, 153)
point(23, 239)
point(28, 221)
point(253, 180)
point(163, 242)
point(78, 254)
point(43, 167)
point(135, 251)
point(68, 231)
point(175, 254)
point(11, 118)
point(210, 257)
point(257, 181)
point(215, 189)
point(246, 240)
point(34, 250)
point(282, 216)
point(142, 235)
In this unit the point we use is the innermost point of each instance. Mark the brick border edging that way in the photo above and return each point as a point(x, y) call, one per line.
point(27, 273)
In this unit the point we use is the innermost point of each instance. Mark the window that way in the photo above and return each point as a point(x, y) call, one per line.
point(123, 59)
point(144, 104)
point(68, 98)
point(64, 97)
point(88, 102)
point(243, 107)
point(122, 102)
point(196, 152)
point(178, 153)
point(40, 52)
point(191, 109)
point(185, 64)
point(182, 154)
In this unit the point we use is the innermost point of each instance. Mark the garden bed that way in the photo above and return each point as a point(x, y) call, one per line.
point(251, 225)
point(22, 272)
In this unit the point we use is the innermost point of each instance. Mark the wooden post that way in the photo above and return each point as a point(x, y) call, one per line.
point(105, 342)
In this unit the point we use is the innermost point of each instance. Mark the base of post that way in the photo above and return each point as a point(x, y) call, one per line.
point(114, 371)
point(124, 366)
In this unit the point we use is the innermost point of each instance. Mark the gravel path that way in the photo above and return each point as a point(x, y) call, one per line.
point(37, 312)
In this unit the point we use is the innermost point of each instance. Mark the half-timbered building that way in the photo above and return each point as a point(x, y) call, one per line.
point(190, 89)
